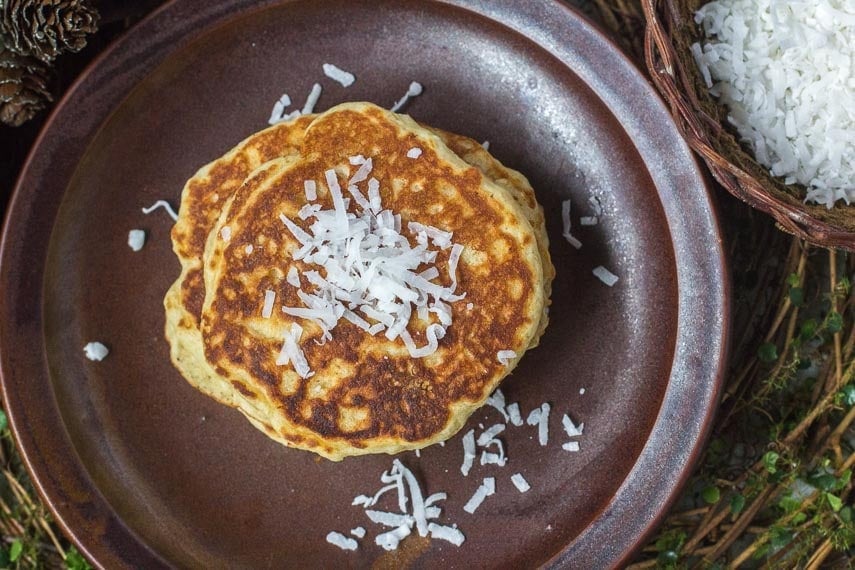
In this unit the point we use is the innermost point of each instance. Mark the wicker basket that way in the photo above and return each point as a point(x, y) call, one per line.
point(670, 32)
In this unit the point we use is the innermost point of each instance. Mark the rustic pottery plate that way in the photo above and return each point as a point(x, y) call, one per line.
point(142, 471)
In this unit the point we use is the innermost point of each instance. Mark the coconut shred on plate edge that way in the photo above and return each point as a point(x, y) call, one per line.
point(416, 511)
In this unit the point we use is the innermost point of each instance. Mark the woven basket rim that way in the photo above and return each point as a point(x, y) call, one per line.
point(675, 84)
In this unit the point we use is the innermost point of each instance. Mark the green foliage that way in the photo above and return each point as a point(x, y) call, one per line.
point(668, 545)
point(737, 503)
point(75, 561)
point(846, 396)
point(15, 550)
point(711, 495)
point(767, 352)
point(770, 462)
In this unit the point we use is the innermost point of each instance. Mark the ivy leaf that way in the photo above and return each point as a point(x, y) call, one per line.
point(779, 537)
point(808, 329)
point(846, 395)
point(737, 503)
point(834, 322)
point(834, 502)
point(4, 421)
point(788, 503)
point(711, 495)
point(793, 280)
point(767, 352)
point(823, 481)
point(15, 550)
point(75, 561)
point(846, 514)
point(770, 462)
point(797, 296)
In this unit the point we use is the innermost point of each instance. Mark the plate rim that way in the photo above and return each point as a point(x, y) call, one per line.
point(547, 23)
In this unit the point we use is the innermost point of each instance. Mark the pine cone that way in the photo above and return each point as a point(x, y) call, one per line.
point(23, 87)
point(46, 28)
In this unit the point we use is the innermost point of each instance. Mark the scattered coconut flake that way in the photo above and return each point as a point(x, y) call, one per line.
point(581, 391)
point(520, 483)
point(596, 206)
point(588, 221)
point(356, 160)
point(390, 540)
point(337, 74)
point(414, 90)
point(572, 429)
point(468, 452)
point(293, 277)
point(279, 109)
point(486, 145)
point(414, 152)
point(267, 309)
point(605, 276)
point(249, 248)
point(540, 418)
point(469, 306)
point(226, 233)
point(514, 415)
point(565, 219)
point(390, 519)
point(484, 490)
point(310, 188)
point(418, 453)
point(505, 356)
point(784, 70)
point(358, 532)
point(161, 204)
point(136, 239)
point(343, 542)
point(571, 446)
point(447, 533)
point(95, 351)
point(489, 434)
point(497, 400)
point(312, 99)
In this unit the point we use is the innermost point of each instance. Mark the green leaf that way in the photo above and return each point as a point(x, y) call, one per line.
point(834, 501)
point(4, 558)
point(4, 421)
point(711, 495)
point(808, 329)
point(834, 322)
point(793, 280)
point(789, 503)
point(823, 481)
point(846, 514)
point(770, 461)
point(15, 550)
point(737, 503)
point(799, 518)
point(75, 561)
point(846, 396)
point(779, 537)
point(797, 296)
point(767, 352)
point(843, 480)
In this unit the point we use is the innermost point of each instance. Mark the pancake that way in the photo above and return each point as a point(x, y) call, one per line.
point(202, 200)
point(368, 394)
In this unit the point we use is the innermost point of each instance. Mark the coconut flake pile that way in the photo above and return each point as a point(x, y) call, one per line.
point(785, 72)
point(96, 351)
point(365, 271)
point(414, 510)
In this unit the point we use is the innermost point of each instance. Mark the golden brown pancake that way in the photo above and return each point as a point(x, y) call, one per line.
point(367, 394)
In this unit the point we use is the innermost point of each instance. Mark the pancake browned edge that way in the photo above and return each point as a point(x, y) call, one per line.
point(201, 201)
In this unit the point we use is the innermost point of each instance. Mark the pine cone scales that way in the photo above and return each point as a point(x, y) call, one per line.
point(23, 87)
point(46, 28)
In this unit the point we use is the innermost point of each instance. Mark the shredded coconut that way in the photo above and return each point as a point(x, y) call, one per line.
point(484, 490)
point(343, 542)
point(267, 309)
point(520, 483)
point(605, 276)
point(337, 74)
point(784, 70)
point(312, 99)
point(161, 204)
point(279, 109)
point(414, 90)
point(505, 356)
point(567, 225)
point(136, 239)
point(414, 152)
point(540, 417)
point(95, 351)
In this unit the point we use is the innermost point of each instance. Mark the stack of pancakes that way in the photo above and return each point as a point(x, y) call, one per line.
point(366, 392)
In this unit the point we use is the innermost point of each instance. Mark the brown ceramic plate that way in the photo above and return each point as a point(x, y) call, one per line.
point(142, 471)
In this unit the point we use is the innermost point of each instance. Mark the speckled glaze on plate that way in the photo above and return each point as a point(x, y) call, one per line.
point(143, 472)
